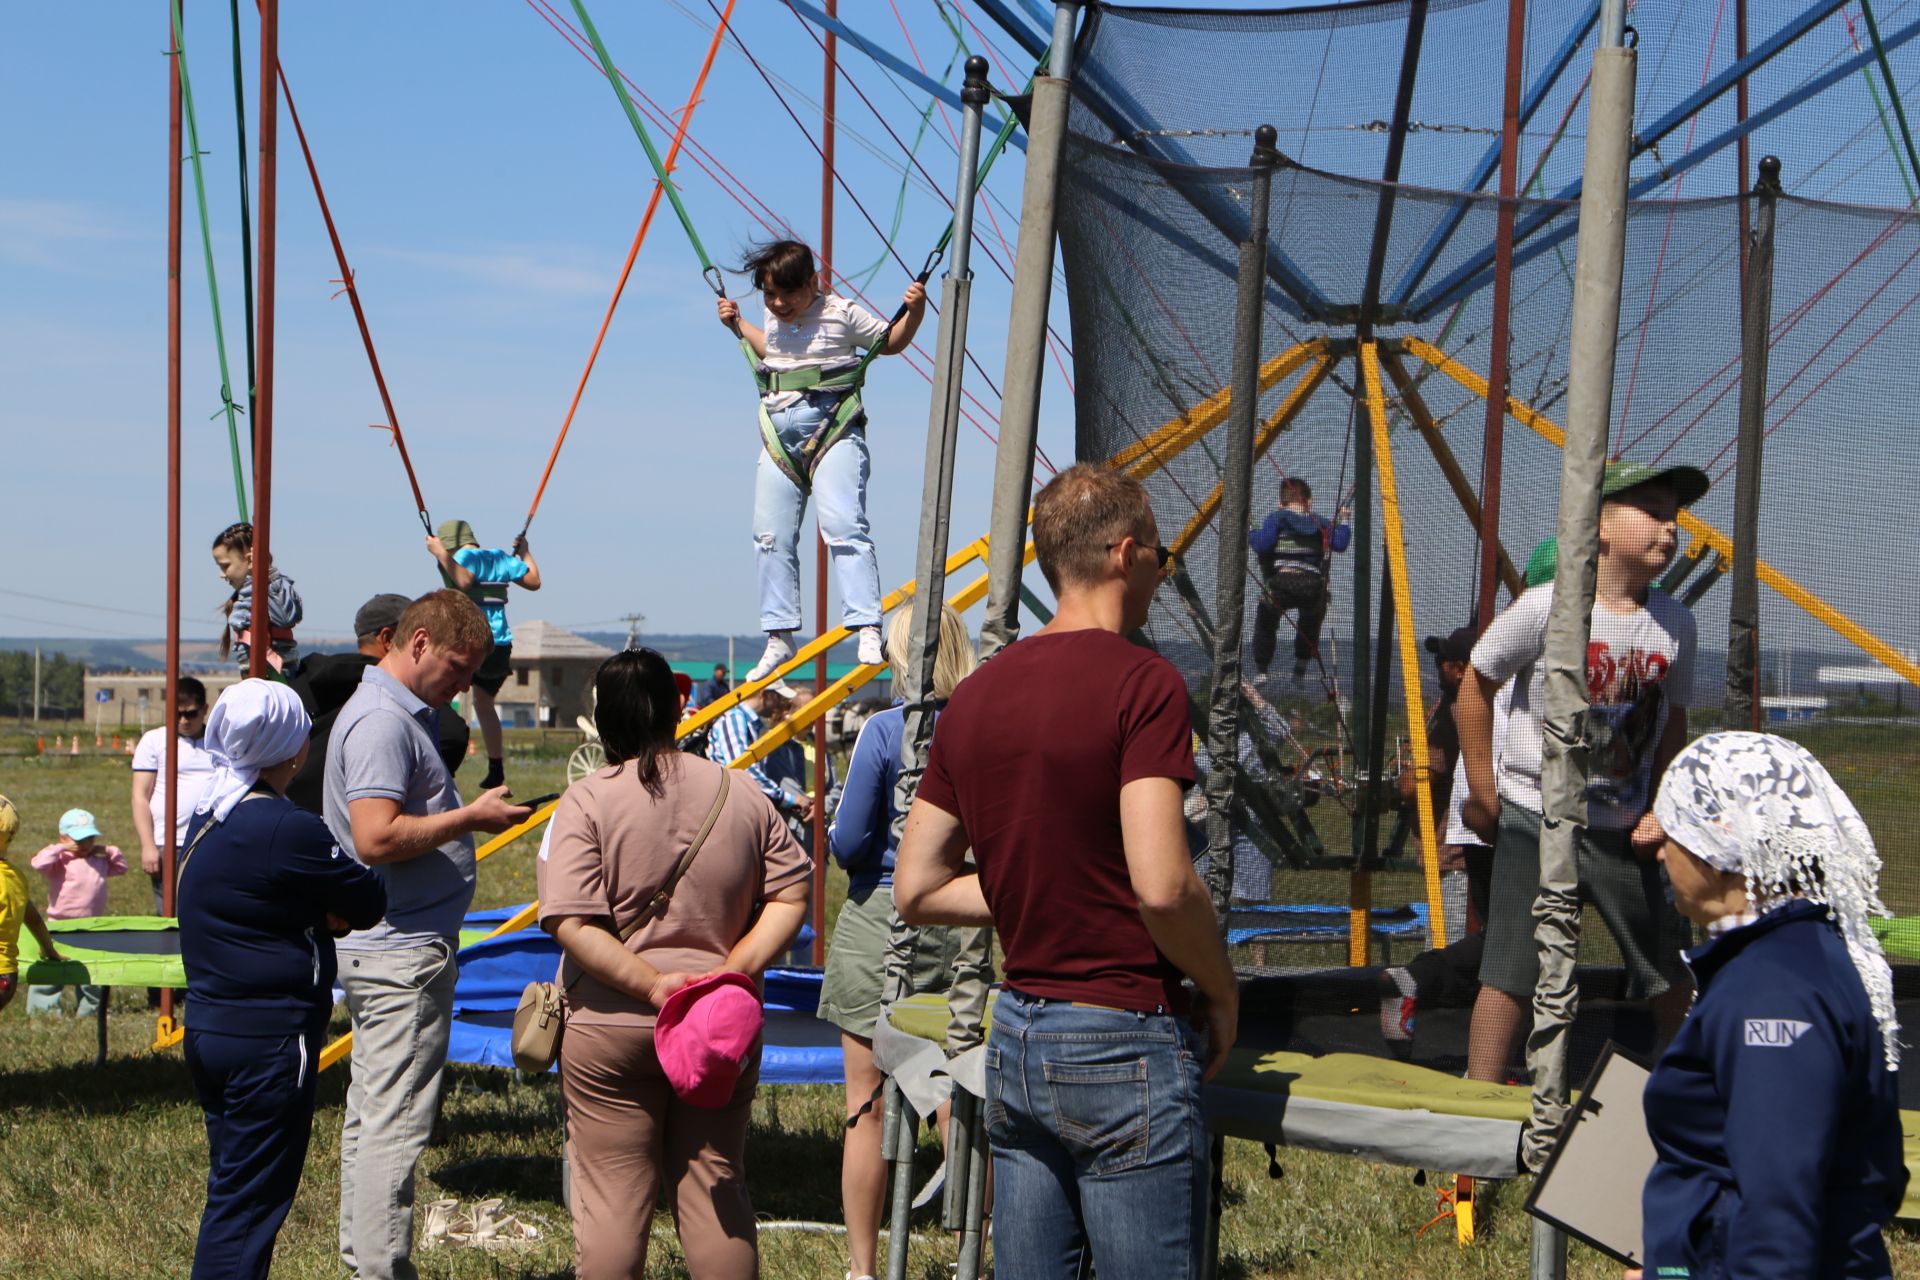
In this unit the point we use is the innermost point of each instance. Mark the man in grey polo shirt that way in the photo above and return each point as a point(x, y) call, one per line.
point(391, 803)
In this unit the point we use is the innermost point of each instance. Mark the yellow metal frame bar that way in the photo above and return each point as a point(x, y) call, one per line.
point(1269, 432)
point(1409, 649)
point(1160, 445)
point(1424, 422)
point(1840, 623)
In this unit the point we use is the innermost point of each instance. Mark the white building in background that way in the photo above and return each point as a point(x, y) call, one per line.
point(552, 680)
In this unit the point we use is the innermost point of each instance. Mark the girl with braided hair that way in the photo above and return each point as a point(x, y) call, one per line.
point(1774, 1114)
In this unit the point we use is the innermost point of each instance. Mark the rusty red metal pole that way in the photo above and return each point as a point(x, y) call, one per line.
point(820, 678)
point(168, 851)
point(262, 639)
point(1494, 439)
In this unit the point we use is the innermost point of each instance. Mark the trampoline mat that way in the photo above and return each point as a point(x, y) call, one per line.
point(110, 951)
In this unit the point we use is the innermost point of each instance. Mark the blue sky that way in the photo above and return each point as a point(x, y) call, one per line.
point(487, 188)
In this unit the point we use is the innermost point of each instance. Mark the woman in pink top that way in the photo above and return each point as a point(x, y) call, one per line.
point(76, 867)
point(615, 840)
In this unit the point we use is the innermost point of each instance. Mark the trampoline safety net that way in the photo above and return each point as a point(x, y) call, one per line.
point(1153, 203)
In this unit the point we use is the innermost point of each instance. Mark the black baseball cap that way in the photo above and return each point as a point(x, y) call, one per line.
point(1455, 646)
point(379, 613)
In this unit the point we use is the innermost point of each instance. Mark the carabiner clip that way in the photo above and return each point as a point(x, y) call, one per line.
point(715, 281)
point(927, 268)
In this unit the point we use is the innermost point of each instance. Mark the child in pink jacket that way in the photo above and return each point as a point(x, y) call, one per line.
point(76, 867)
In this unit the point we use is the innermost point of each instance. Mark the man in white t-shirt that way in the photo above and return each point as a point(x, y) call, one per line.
point(1639, 684)
point(196, 769)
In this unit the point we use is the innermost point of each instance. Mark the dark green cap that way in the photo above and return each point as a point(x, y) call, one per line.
point(1690, 484)
point(1541, 564)
point(455, 534)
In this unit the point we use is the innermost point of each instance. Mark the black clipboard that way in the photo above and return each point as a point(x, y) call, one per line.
point(1591, 1184)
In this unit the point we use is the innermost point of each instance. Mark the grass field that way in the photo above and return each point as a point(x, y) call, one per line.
point(102, 1172)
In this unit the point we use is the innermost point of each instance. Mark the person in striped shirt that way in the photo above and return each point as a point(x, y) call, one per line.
point(738, 729)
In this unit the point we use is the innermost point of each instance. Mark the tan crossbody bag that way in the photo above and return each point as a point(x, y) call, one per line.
point(542, 1013)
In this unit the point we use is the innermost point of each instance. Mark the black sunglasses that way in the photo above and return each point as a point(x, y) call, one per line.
point(188, 713)
point(1162, 555)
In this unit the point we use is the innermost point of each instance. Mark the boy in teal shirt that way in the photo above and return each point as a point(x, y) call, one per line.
point(484, 574)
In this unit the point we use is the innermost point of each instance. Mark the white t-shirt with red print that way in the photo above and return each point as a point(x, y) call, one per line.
point(1639, 667)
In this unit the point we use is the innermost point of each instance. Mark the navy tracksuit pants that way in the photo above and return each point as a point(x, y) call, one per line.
point(258, 1093)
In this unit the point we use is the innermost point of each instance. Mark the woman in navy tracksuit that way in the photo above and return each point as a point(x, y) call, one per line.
point(1774, 1113)
point(263, 889)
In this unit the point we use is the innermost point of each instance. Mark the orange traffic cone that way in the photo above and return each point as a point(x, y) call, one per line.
point(116, 742)
point(40, 745)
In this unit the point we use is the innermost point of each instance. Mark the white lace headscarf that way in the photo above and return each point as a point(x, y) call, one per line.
point(256, 725)
point(1759, 806)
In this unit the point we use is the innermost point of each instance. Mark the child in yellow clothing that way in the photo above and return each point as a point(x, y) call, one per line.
point(16, 909)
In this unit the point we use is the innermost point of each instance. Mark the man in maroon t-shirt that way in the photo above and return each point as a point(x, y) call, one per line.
point(1061, 764)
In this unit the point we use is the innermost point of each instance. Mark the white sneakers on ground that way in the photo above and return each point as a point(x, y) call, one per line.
point(872, 652)
point(779, 650)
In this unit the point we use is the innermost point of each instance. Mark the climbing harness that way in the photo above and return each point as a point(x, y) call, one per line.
point(841, 380)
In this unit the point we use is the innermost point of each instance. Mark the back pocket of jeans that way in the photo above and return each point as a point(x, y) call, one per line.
point(1101, 1112)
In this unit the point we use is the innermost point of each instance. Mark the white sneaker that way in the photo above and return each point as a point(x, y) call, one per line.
point(779, 650)
point(872, 652)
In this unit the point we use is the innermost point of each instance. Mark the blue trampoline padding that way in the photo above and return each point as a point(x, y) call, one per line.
point(480, 923)
point(1314, 922)
point(798, 1047)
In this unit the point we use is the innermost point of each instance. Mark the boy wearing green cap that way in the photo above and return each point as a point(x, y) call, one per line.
point(1640, 657)
point(485, 573)
point(16, 909)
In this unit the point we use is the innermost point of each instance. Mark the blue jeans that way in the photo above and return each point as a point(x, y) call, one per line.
point(840, 484)
point(1098, 1142)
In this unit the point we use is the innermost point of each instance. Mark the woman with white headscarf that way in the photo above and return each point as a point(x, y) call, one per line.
point(1774, 1113)
point(263, 889)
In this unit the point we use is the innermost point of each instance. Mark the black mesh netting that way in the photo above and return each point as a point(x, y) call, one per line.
point(1149, 248)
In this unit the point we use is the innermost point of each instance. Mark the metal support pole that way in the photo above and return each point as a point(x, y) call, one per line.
point(1493, 441)
point(1565, 764)
point(1236, 508)
point(261, 643)
point(1359, 882)
point(936, 514)
point(170, 809)
point(1026, 341)
point(1743, 616)
point(821, 676)
point(973, 1224)
point(897, 1135)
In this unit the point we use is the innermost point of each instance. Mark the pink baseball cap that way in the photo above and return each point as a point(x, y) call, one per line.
point(703, 1035)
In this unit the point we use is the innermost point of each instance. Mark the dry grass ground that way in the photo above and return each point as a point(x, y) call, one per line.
point(102, 1171)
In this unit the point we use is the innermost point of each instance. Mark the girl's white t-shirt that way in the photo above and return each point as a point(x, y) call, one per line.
point(831, 330)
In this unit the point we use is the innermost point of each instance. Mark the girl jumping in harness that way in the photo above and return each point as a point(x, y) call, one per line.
point(1293, 547)
point(810, 359)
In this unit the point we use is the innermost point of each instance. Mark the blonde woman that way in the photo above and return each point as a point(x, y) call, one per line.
point(863, 842)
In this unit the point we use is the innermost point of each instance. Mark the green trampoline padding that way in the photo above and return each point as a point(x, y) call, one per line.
point(121, 951)
point(109, 951)
point(1351, 1078)
point(1374, 1108)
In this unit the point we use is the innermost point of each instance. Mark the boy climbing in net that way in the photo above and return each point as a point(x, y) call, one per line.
point(1294, 548)
point(484, 574)
point(812, 354)
point(233, 555)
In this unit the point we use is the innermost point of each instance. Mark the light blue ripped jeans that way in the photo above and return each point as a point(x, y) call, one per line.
point(840, 485)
